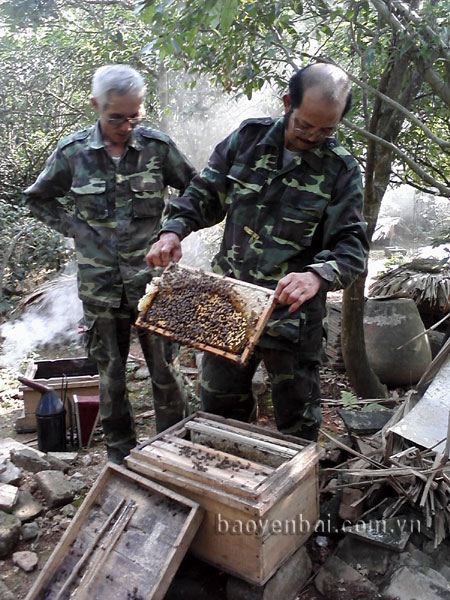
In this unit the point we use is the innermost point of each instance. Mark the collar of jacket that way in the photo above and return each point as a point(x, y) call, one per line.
point(96, 140)
point(275, 137)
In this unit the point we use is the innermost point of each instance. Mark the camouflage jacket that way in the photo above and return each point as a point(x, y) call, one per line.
point(113, 211)
point(305, 216)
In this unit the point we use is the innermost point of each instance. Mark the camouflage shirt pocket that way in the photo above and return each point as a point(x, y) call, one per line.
point(147, 196)
point(298, 222)
point(245, 182)
point(90, 199)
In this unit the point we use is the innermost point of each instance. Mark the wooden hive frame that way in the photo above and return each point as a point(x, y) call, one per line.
point(260, 302)
point(126, 541)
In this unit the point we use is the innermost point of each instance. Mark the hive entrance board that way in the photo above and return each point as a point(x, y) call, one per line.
point(126, 541)
point(206, 311)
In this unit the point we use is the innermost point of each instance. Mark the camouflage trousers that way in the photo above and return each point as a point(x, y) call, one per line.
point(226, 389)
point(107, 339)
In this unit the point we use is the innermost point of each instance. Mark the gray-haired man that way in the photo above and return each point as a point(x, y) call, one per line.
point(112, 177)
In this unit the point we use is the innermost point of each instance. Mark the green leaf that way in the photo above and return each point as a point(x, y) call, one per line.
point(349, 400)
point(176, 46)
point(146, 13)
point(227, 15)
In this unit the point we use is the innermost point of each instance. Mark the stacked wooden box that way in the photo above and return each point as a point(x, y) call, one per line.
point(259, 490)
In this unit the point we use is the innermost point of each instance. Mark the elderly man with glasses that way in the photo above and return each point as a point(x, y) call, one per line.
point(105, 187)
point(291, 197)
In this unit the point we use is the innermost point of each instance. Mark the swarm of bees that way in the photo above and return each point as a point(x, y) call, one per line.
point(194, 307)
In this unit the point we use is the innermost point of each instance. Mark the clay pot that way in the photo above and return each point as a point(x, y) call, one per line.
point(388, 324)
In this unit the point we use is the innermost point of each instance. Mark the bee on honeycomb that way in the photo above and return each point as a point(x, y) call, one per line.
point(195, 307)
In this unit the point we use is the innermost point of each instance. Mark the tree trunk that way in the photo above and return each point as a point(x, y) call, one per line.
point(387, 123)
point(359, 371)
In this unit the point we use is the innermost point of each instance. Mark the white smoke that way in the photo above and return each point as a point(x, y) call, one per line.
point(52, 318)
point(199, 119)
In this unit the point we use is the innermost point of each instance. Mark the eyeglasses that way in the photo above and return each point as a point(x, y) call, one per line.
point(319, 133)
point(121, 120)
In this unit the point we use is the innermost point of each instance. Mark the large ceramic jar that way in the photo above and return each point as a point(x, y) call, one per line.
point(388, 324)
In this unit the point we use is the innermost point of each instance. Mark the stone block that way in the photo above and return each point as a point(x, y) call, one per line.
point(67, 457)
point(336, 577)
point(408, 584)
point(55, 488)
point(364, 556)
point(26, 560)
point(29, 460)
point(9, 533)
point(12, 475)
point(8, 497)
point(29, 531)
point(365, 423)
point(27, 508)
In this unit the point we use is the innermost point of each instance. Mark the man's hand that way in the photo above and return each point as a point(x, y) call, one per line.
point(296, 288)
point(167, 248)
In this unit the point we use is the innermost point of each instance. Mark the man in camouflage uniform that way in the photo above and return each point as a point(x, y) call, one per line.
point(292, 198)
point(104, 186)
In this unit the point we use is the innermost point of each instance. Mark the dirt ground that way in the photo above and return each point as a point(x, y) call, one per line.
point(91, 461)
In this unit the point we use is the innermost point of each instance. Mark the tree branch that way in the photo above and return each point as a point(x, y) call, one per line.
point(410, 15)
point(445, 191)
point(437, 140)
point(436, 83)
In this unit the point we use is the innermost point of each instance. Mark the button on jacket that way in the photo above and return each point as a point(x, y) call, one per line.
point(306, 216)
point(112, 211)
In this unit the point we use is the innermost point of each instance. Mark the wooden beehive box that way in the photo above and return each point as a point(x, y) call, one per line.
point(259, 489)
point(126, 541)
point(64, 375)
point(206, 311)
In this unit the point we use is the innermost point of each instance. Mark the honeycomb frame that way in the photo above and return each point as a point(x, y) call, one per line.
point(206, 311)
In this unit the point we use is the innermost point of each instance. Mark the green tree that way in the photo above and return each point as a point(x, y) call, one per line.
point(396, 54)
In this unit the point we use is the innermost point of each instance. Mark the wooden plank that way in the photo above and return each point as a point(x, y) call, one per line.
point(181, 465)
point(234, 435)
point(222, 460)
point(290, 474)
point(149, 543)
point(249, 452)
point(186, 485)
point(262, 322)
point(288, 441)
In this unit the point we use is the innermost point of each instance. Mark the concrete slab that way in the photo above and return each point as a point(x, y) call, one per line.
point(8, 444)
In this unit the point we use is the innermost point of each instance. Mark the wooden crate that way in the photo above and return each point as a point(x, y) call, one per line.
point(126, 541)
point(73, 375)
point(259, 489)
point(253, 305)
